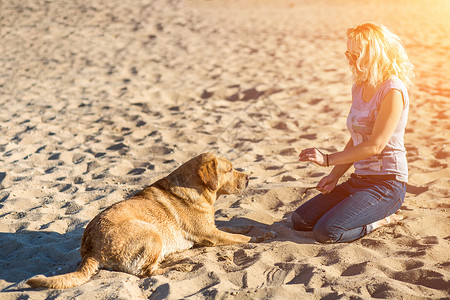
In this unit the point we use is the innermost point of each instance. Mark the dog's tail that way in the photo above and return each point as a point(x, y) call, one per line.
point(88, 267)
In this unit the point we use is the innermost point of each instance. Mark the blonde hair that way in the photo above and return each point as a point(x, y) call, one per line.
point(380, 55)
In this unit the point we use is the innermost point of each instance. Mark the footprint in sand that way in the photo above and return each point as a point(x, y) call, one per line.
point(274, 277)
point(423, 277)
point(356, 269)
point(306, 275)
point(240, 258)
point(413, 264)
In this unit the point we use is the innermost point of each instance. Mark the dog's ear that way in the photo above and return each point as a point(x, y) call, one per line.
point(209, 174)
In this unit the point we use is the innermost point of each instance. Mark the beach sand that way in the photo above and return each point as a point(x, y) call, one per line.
point(99, 99)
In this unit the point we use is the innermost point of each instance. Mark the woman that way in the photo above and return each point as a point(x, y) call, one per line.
point(377, 119)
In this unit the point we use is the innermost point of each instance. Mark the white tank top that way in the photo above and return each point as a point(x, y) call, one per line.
point(360, 121)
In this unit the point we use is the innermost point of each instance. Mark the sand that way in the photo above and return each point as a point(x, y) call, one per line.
point(99, 99)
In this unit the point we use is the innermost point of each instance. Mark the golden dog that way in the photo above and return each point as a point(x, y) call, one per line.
point(172, 214)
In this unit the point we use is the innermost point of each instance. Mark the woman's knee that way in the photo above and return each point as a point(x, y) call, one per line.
point(299, 223)
point(324, 234)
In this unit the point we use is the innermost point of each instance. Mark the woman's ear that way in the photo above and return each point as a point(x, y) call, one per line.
point(209, 174)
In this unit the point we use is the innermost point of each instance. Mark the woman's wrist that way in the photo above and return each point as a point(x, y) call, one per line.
point(339, 170)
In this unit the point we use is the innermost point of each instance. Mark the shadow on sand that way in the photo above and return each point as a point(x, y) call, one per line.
point(29, 253)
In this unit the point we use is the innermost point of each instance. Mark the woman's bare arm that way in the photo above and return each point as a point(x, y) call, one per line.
point(385, 124)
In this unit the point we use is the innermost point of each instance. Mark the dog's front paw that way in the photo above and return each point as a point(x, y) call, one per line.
point(268, 235)
point(238, 229)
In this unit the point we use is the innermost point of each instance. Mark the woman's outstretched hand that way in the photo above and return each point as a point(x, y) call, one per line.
point(313, 155)
point(327, 184)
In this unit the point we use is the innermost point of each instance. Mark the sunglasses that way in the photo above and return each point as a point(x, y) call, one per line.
point(351, 55)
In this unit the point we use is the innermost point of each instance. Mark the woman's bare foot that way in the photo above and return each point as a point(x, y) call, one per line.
point(392, 219)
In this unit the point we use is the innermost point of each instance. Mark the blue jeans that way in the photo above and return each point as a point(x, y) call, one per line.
point(346, 213)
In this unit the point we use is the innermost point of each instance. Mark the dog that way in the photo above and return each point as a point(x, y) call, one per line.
point(173, 214)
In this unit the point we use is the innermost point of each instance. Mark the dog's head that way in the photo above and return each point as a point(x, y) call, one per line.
point(204, 175)
point(218, 175)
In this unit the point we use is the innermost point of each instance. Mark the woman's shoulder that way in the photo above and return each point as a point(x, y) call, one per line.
point(394, 82)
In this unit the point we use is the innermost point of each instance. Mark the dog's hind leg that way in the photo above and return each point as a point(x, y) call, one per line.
point(155, 269)
point(152, 266)
point(140, 249)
